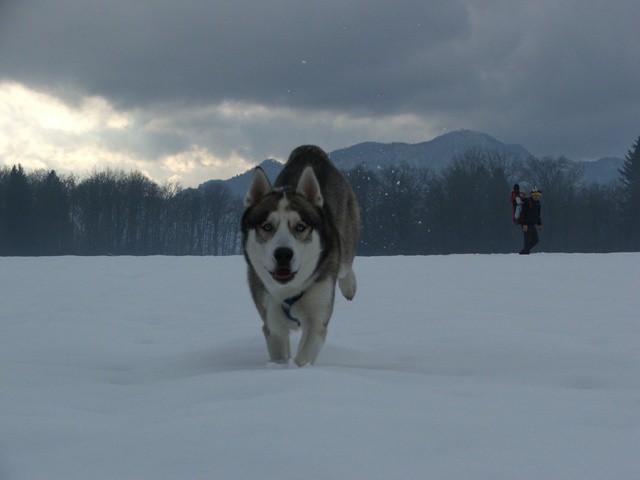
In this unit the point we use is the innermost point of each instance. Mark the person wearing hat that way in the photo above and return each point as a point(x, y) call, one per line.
point(531, 221)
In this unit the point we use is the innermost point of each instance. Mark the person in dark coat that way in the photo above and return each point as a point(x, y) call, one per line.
point(531, 221)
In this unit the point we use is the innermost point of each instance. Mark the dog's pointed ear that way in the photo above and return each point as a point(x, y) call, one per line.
point(309, 187)
point(258, 188)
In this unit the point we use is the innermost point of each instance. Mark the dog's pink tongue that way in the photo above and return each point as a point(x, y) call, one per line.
point(282, 273)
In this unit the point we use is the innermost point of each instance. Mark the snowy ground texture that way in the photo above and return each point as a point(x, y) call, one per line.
point(444, 367)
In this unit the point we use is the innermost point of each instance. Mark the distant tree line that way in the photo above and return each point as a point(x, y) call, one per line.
point(113, 213)
point(405, 210)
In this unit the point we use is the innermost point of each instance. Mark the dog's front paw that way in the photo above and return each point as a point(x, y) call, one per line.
point(301, 360)
point(280, 361)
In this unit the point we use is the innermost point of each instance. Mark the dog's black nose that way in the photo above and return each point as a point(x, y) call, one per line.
point(283, 256)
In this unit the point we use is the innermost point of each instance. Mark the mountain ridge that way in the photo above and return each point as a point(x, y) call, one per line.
point(436, 154)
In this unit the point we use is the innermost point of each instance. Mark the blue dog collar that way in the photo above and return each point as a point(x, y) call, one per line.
point(287, 304)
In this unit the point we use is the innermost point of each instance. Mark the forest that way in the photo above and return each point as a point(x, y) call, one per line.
point(405, 210)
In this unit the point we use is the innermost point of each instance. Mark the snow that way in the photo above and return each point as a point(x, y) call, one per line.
point(462, 366)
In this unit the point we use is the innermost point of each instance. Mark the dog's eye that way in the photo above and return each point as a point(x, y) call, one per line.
point(301, 227)
point(267, 227)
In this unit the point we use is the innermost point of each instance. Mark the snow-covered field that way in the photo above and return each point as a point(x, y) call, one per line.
point(445, 367)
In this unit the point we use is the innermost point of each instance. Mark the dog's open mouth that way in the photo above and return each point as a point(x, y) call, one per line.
point(283, 275)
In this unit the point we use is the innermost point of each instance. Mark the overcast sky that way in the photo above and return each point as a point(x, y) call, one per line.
point(194, 90)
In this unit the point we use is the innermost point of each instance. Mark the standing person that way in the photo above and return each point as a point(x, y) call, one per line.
point(531, 221)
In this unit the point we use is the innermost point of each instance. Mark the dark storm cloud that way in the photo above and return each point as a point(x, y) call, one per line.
point(557, 77)
point(330, 53)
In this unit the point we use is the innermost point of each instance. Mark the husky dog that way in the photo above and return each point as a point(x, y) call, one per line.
point(299, 239)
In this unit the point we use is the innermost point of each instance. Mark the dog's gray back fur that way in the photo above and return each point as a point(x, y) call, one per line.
point(339, 200)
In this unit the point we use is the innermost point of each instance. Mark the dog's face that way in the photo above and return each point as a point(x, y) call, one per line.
point(282, 230)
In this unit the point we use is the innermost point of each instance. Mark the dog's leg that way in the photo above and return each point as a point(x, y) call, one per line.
point(347, 282)
point(278, 345)
point(313, 338)
point(316, 307)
